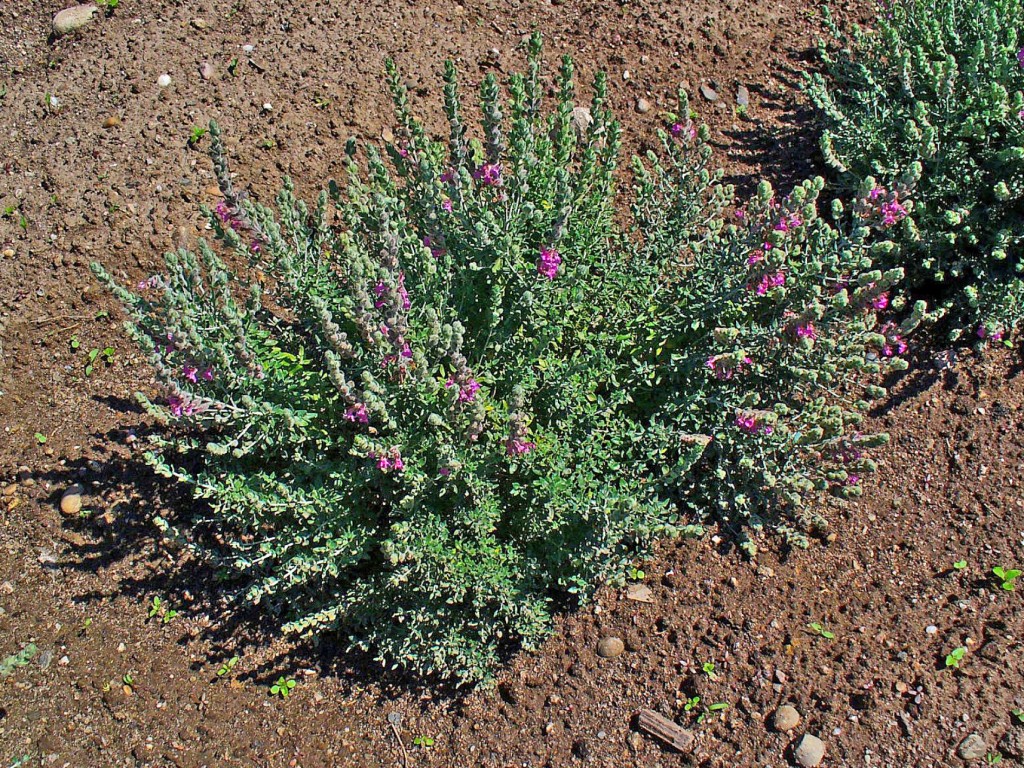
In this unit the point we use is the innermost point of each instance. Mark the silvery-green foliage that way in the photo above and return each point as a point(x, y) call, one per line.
point(457, 393)
point(937, 89)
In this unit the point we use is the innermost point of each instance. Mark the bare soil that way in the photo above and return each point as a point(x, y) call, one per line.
point(107, 173)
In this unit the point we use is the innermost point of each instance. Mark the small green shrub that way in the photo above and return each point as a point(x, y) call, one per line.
point(455, 396)
point(937, 89)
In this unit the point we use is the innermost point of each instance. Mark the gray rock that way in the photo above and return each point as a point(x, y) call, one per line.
point(610, 647)
point(810, 751)
point(709, 93)
point(786, 718)
point(71, 19)
point(742, 96)
point(643, 106)
point(206, 70)
point(972, 748)
point(581, 120)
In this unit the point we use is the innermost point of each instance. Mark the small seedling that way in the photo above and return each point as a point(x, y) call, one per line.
point(1005, 577)
point(159, 608)
point(267, 144)
point(322, 102)
point(959, 565)
point(954, 657)
point(635, 574)
point(128, 680)
point(720, 706)
point(692, 704)
point(423, 741)
point(105, 355)
point(19, 659)
point(709, 669)
point(233, 67)
point(227, 666)
point(283, 687)
point(196, 135)
point(40, 438)
point(993, 758)
point(1019, 714)
point(75, 343)
point(819, 629)
point(108, 5)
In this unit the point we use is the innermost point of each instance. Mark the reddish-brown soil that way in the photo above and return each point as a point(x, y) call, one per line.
point(878, 692)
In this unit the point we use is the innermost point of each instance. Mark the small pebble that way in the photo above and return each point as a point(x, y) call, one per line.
point(973, 748)
point(931, 629)
point(206, 70)
point(810, 751)
point(610, 647)
point(643, 106)
point(71, 501)
point(248, 48)
point(112, 122)
point(163, 81)
point(786, 718)
point(71, 19)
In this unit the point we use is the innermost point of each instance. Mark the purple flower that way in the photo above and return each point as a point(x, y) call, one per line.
point(806, 331)
point(723, 370)
point(179, 407)
point(207, 374)
point(517, 447)
point(548, 263)
point(489, 174)
point(358, 414)
point(892, 212)
point(189, 372)
point(391, 460)
point(853, 479)
point(746, 422)
point(446, 205)
point(996, 335)
point(467, 393)
point(448, 176)
point(444, 471)
point(767, 282)
point(876, 192)
point(881, 301)
point(1020, 58)
point(894, 342)
point(689, 130)
point(223, 212)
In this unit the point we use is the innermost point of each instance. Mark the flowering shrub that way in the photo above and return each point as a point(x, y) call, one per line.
point(937, 90)
point(456, 395)
point(772, 324)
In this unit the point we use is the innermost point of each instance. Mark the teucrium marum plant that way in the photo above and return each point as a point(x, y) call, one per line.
point(937, 89)
point(455, 395)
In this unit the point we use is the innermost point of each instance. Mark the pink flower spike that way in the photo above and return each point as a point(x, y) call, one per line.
point(467, 394)
point(548, 263)
point(358, 414)
point(881, 301)
point(207, 374)
point(446, 205)
point(444, 471)
point(189, 372)
point(1020, 58)
point(876, 193)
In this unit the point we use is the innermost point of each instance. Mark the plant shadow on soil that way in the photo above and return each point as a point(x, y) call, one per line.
point(114, 530)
